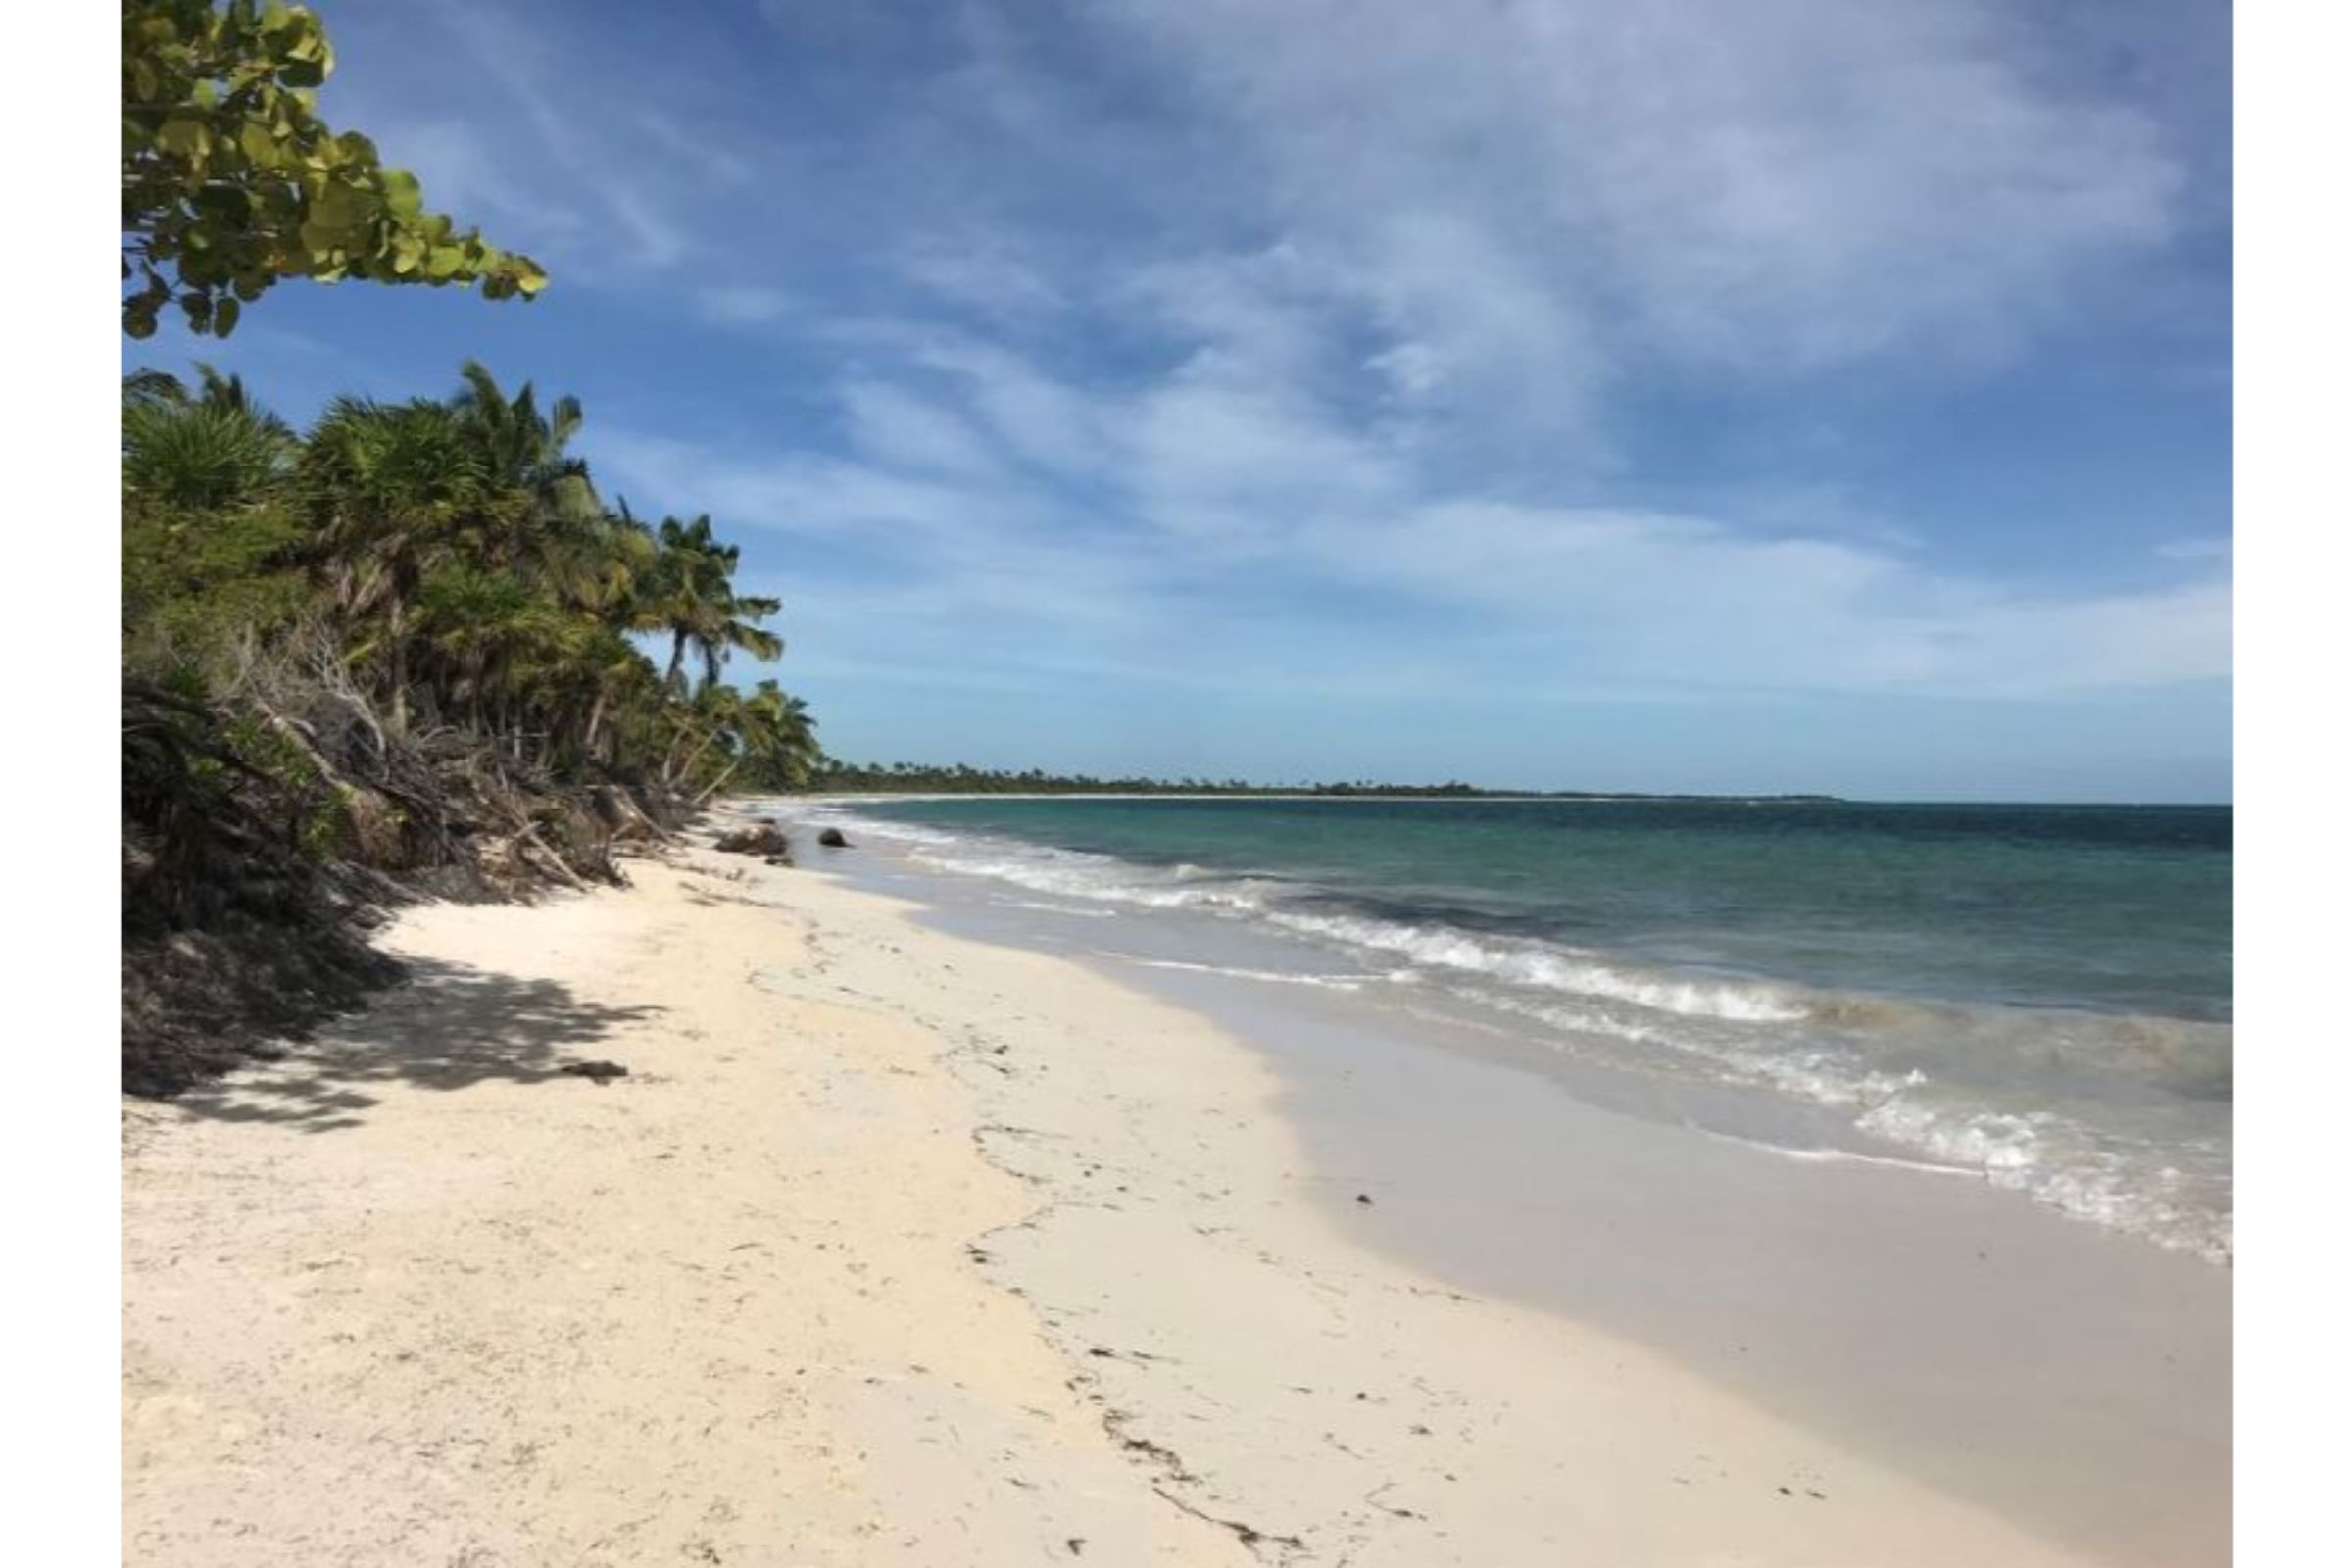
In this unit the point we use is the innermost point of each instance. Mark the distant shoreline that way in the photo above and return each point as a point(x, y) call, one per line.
point(1364, 797)
point(1170, 791)
point(934, 792)
point(832, 776)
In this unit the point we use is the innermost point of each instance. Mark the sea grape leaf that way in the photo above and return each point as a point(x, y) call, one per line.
point(232, 183)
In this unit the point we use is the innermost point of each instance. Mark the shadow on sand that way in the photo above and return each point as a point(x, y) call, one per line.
point(447, 1026)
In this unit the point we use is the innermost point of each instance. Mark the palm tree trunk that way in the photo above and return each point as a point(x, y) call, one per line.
point(398, 661)
point(719, 783)
point(695, 755)
point(677, 657)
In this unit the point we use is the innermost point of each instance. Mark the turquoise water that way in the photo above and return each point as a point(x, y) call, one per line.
point(2039, 992)
point(2118, 909)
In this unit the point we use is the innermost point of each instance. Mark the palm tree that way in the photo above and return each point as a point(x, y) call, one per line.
point(194, 455)
point(527, 450)
point(145, 386)
point(394, 490)
point(607, 569)
point(615, 676)
point(474, 627)
point(769, 731)
point(778, 736)
point(738, 631)
point(683, 576)
point(709, 720)
point(693, 598)
point(218, 391)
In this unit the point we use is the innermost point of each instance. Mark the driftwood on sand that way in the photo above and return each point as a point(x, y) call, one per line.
point(268, 826)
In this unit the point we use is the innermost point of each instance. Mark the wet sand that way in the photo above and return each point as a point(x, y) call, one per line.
point(2064, 1375)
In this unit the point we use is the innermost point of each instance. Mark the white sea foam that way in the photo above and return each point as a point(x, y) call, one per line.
point(1820, 1073)
point(1845, 1052)
point(1838, 1156)
point(1333, 982)
point(1548, 967)
point(2067, 1165)
point(1060, 908)
point(1076, 874)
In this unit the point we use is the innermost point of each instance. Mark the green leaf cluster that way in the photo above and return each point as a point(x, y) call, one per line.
point(231, 180)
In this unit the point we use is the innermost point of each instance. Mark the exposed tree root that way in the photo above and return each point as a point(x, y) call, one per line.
point(266, 831)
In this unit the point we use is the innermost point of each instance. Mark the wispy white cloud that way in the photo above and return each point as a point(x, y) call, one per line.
point(1039, 420)
point(510, 131)
point(981, 269)
point(900, 429)
point(744, 305)
point(1307, 344)
point(1550, 189)
point(1694, 602)
point(702, 155)
point(1293, 525)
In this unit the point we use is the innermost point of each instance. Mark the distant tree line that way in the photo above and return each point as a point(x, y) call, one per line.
point(830, 776)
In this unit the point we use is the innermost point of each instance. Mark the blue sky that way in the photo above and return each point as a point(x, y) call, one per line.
point(1734, 395)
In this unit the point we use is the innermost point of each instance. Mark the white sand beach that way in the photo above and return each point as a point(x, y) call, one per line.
point(889, 1247)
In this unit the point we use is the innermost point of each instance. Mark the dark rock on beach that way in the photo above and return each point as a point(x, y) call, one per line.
point(831, 839)
point(766, 839)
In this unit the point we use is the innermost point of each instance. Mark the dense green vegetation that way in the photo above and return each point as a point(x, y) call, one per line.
point(230, 182)
point(450, 563)
point(408, 646)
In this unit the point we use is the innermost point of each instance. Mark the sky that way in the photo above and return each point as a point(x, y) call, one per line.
point(1738, 395)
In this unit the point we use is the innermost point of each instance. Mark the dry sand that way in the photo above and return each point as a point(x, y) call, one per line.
point(891, 1248)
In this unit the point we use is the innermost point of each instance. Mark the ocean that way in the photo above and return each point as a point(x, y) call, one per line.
point(2037, 993)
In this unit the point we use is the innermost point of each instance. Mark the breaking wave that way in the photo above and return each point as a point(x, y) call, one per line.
point(2037, 1100)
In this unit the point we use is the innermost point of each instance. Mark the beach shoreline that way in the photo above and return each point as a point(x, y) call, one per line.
point(2057, 1372)
point(891, 1245)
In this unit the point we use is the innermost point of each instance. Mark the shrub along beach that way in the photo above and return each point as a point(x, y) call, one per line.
point(404, 651)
